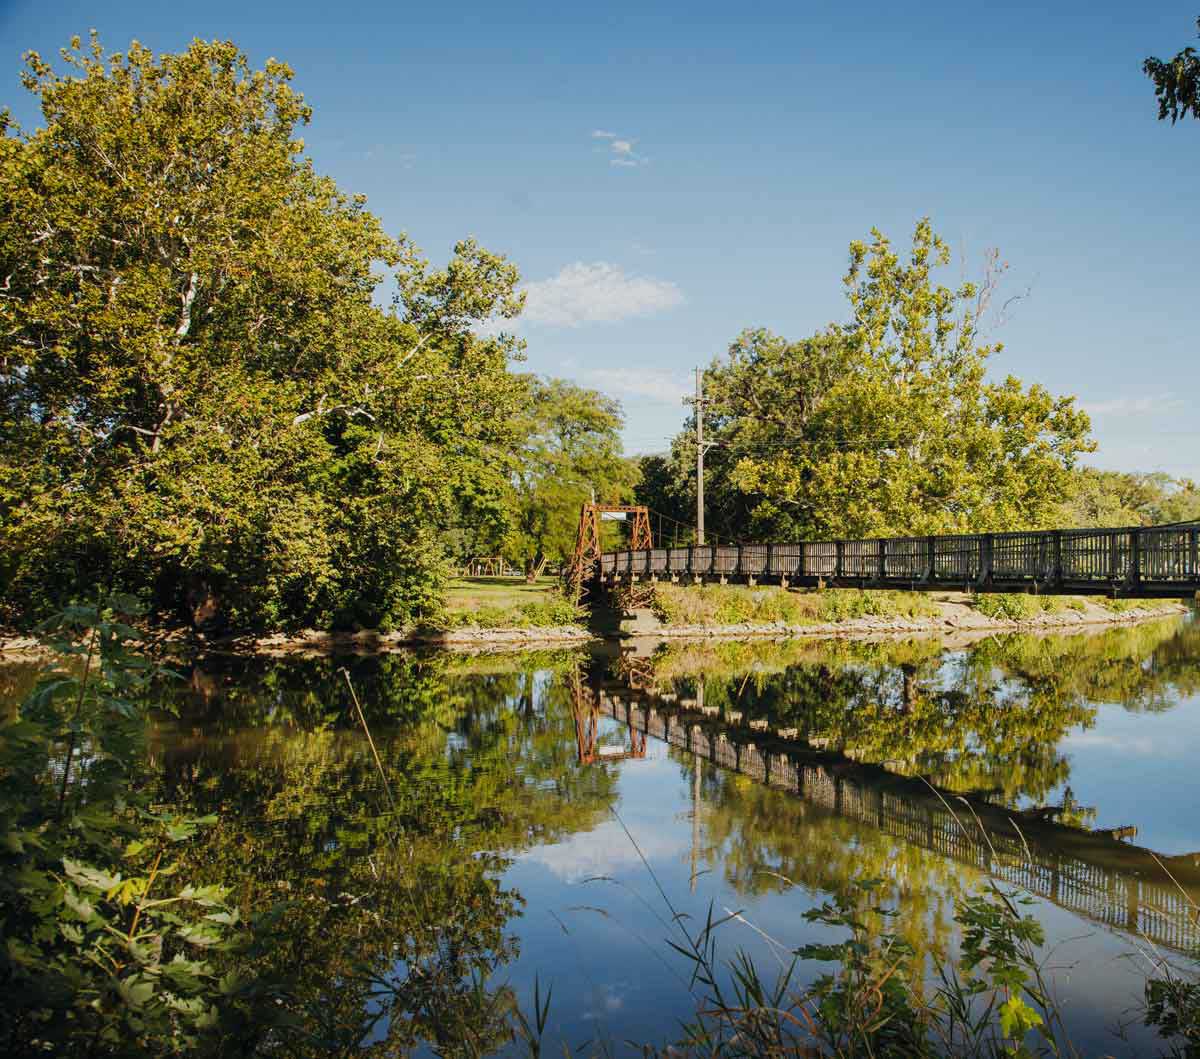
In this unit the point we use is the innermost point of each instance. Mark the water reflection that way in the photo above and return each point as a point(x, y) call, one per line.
point(393, 883)
point(418, 904)
point(985, 720)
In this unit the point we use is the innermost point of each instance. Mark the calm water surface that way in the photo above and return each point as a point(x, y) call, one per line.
point(538, 811)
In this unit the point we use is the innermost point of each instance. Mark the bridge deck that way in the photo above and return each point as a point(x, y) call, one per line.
point(1133, 562)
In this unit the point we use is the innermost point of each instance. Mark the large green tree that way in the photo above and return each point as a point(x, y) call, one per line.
point(1176, 83)
point(887, 424)
point(202, 398)
point(571, 452)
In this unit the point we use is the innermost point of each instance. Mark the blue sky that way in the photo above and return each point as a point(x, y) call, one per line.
point(747, 145)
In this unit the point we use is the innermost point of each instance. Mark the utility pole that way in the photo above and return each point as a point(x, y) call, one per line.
point(698, 402)
point(696, 807)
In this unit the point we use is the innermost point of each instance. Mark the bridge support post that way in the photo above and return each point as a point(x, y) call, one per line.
point(840, 553)
point(1135, 559)
point(986, 550)
point(882, 559)
point(1056, 562)
point(1194, 551)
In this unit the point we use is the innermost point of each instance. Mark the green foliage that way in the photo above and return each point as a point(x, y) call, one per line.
point(571, 450)
point(1173, 1007)
point(737, 605)
point(1013, 606)
point(667, 484)
point(864, 1006)
point(1111, 499)
point(1176, 83)
point(885, 425)
point(871, 1003)
point(1121, 606)
point(109, 949)
point(200, 400)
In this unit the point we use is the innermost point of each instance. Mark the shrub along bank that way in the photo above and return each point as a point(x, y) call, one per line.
point(738, 605)
point(712, 606)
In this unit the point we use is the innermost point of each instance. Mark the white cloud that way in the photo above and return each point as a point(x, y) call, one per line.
point(620, 149)
point(605, 851)
point(650, 383)
point(1123, 743)
point(1131, 406)
point(584, 293)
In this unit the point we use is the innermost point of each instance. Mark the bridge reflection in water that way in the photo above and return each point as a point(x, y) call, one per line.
point(1120, 885)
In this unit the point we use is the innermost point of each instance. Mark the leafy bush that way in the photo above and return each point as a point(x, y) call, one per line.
point(107, 951)
point(1011, 606)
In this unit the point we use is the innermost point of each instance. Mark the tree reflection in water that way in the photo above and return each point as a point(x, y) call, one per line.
point(985, 721)
point(395, 915)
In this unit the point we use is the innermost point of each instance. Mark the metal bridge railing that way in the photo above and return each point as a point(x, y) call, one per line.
point(1153, 560)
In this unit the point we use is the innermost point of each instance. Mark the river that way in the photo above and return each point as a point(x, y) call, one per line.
point(556, 818)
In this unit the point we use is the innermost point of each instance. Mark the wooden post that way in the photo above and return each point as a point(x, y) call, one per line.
point(882, 559)
point(1195, 553)
point(987, 545)
point(840, 548)
point(738, 568)
point(931, 568)
point(802, 561)
point(770, 552)
point(1135, 558)
point(1056, 563)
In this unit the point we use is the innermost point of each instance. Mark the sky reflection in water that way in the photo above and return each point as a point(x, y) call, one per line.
point(483, 757)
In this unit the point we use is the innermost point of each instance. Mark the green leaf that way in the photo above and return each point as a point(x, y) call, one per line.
point(135, 991)
point(90, 878)
point(1017, 1018)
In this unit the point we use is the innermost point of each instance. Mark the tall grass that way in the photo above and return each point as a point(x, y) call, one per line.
point(714, 605)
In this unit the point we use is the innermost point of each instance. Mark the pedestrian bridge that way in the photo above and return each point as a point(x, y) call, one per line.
point(1134, 562)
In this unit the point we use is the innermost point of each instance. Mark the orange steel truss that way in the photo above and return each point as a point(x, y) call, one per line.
point(588, 548)
point(587, 730)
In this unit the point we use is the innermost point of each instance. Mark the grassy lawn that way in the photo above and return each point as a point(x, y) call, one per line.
point(469, 593)
point(506, 602)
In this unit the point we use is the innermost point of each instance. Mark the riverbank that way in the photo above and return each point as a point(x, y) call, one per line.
point(691, 613)
point(673, 614)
